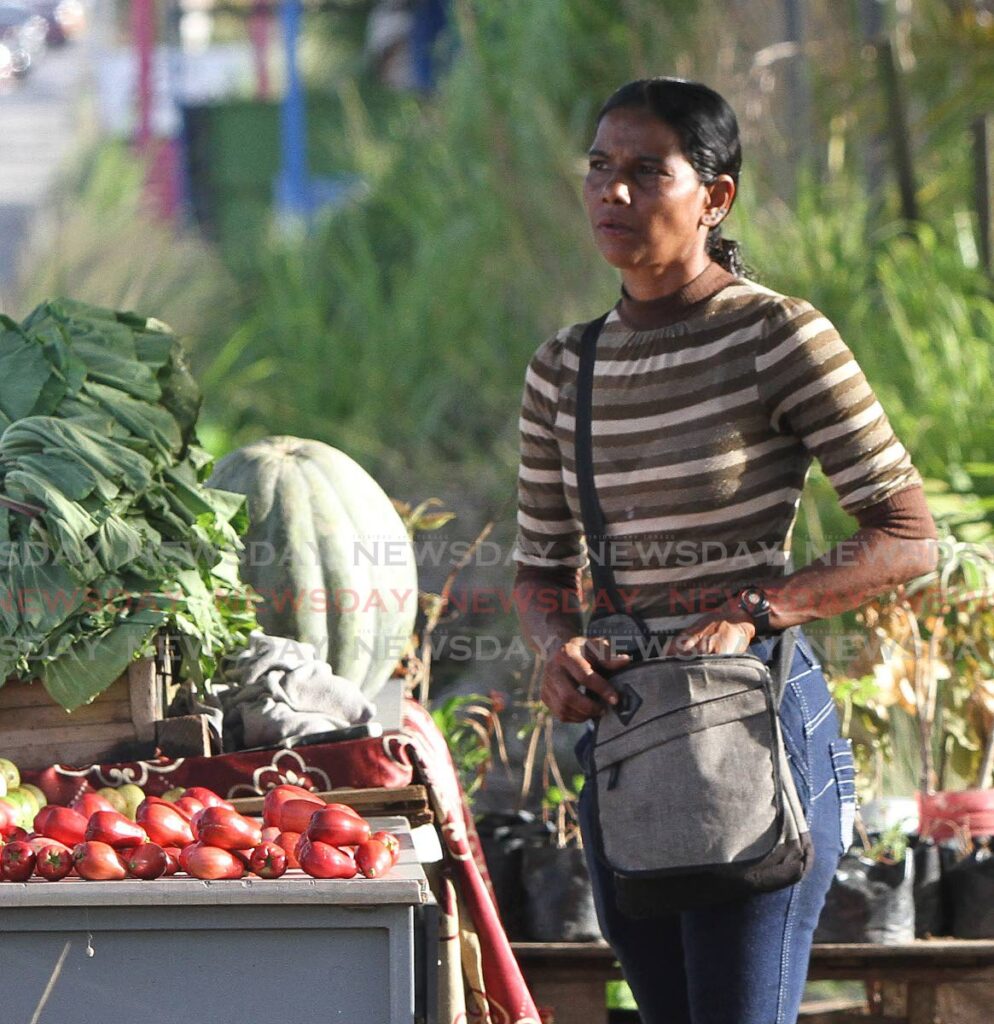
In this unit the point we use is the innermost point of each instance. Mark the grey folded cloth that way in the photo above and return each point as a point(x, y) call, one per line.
point(277, 688)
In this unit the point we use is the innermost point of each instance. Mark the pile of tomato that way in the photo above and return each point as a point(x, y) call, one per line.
point(200, 835)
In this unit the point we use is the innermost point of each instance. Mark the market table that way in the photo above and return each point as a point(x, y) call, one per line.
point(570, 976)
point(179, 949)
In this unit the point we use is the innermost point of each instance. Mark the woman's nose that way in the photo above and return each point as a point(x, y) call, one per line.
point(616, 191)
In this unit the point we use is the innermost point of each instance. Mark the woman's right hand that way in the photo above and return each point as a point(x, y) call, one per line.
point(579, 662)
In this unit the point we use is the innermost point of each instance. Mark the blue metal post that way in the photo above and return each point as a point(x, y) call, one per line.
point(293, 191)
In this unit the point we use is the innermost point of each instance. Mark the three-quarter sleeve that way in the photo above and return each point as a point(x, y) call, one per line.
point(548, 534)
point(813, 388)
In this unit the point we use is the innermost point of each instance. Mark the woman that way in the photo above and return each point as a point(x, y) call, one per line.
point(712, 395)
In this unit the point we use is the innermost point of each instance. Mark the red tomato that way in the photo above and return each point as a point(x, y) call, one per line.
point(373, 859)
point(89, 803)
point(7, 820)
point(172, 860)
point(390, 841)
point(188, 805)
point(346, 809)
point(295, 815)
point(184, 854)
point(147, 860)
point(212, 863)
point(115, 830)
point(288, 842)
point(98, 862)
point(54, 862)
point(337, 828)
point(280, 795)
point(17, 861)
point(39, 843)
point(164, 824)
point(320, 860)
point(269, 860)
point(62, 823)
point(227, 829)
point(207, 797)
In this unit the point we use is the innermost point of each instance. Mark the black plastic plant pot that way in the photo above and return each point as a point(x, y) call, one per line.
point(503, 837)
point(869, 901)
point(931, 909)
point(560, 902)
point(970, 885)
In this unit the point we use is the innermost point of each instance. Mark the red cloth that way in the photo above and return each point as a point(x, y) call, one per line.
point(417, 754)
point(354, 763)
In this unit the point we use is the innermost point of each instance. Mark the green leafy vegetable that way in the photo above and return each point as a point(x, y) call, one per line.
point(107, 531)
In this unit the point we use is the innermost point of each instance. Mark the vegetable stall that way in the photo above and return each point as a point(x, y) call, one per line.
point(197, 689)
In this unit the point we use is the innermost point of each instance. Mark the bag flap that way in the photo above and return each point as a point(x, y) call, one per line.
point(647, 732)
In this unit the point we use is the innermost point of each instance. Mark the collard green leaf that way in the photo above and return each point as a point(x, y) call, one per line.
point(142, 419)
point(73, 478)
point(117, 543)
point(24, 372)
point(93, 663)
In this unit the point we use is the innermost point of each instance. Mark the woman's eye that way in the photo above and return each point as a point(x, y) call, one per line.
point(650, 169)
point(597, 165)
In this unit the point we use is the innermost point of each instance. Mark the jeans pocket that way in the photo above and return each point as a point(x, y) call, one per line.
point(844, 769)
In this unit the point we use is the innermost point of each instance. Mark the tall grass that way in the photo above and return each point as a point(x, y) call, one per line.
point(399, 329)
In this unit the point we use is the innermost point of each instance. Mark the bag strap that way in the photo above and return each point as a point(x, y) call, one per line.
point(784, 659)
point(593, 515)
point(590, 507)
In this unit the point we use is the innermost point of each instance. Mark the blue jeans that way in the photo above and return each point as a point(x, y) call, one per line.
point(743, 962)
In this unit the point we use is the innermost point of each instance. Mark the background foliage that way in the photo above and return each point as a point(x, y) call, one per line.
point(399, 329)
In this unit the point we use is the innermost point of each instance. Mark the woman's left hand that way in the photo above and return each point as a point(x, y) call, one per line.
point(726, 630)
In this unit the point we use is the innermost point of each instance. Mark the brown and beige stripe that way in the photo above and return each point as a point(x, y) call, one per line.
point(703, 435)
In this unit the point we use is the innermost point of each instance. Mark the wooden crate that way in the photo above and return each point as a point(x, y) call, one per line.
point(119, 724)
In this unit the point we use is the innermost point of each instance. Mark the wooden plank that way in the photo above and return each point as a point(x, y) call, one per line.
point(54, 736)
point(146, 697)
point(53, 716)
point(90, 745)
point(184, 736)
point(411, 797)
point(18, 694)
point(922, 1003)
point(859, 960)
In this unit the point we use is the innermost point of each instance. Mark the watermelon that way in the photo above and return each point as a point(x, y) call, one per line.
point(328, 554)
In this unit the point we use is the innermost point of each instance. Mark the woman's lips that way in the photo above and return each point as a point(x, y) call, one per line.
point(613, 228)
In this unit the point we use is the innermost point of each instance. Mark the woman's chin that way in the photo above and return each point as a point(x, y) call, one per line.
point(619, 253)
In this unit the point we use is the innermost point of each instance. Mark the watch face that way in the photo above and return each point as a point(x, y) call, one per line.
point(755, 601)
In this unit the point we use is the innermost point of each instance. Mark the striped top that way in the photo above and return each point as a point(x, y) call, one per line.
point(703, 434)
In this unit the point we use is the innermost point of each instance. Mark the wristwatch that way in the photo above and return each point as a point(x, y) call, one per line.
point(754, 602)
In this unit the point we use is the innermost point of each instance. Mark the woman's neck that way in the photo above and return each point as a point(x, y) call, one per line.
point(648, 283)
point(671, 307)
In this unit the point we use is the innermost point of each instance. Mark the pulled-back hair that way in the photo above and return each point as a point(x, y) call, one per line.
point(708, 133)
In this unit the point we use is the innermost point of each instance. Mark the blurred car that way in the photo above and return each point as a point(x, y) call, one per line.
point(6, 63)
point(64, 19)
point(23, 33)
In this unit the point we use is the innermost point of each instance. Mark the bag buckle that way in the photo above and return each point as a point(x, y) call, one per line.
point(628, 704)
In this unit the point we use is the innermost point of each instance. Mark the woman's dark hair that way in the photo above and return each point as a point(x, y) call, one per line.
point(709, 138)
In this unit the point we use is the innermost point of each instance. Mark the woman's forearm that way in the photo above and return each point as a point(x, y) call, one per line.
point(869, 563)
point(548, 610)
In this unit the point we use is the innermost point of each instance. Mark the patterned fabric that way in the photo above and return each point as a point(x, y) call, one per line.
point(703, 434)
point(479, 981)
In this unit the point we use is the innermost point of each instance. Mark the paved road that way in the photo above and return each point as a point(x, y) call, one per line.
point(41, 124)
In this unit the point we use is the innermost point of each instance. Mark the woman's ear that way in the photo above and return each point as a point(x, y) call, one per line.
point(721, 195)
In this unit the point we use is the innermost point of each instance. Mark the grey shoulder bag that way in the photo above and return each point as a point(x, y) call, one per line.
point(694, 799)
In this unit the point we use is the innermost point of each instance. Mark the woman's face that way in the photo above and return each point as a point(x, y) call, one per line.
point(645, 202)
